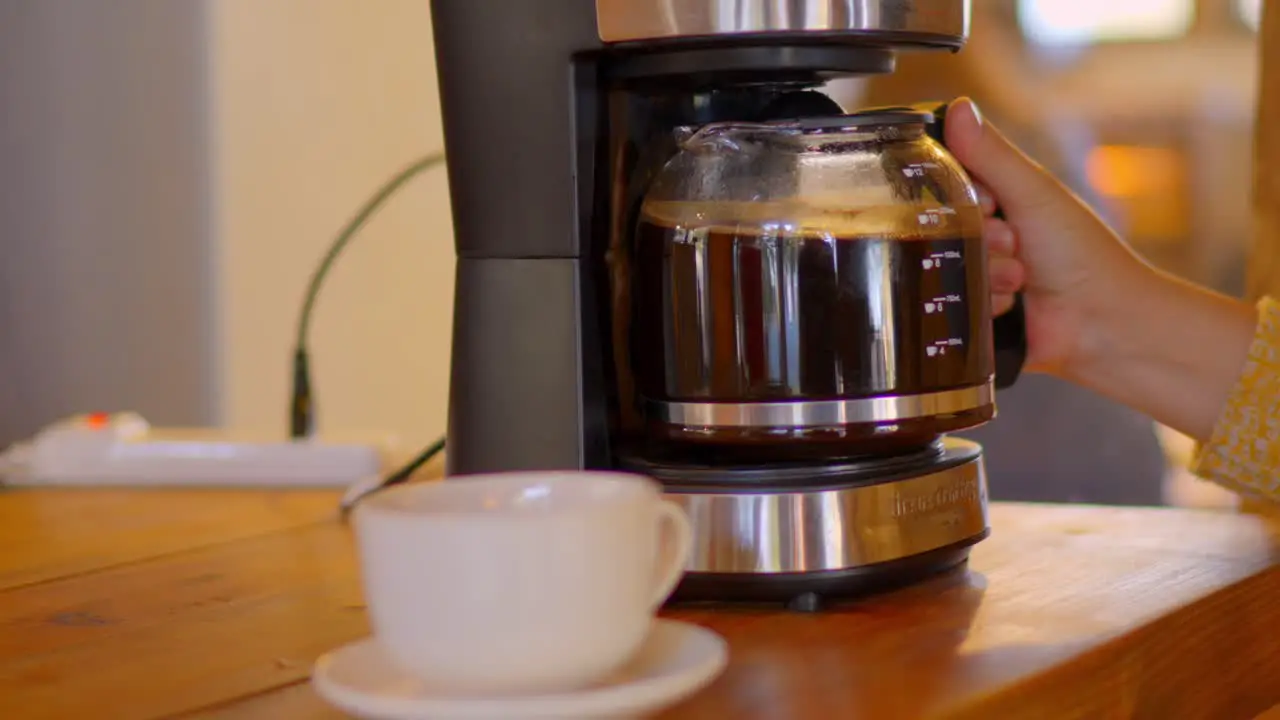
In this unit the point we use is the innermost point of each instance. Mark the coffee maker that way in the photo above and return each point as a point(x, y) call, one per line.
point(558, 117)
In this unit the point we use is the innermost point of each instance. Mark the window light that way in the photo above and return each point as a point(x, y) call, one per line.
point(1084, 22)
point(1250, 11)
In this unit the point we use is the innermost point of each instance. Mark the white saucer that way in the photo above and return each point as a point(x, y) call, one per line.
point(676, 660)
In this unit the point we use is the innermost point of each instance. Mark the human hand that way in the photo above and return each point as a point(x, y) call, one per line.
point(1097, 314)
point(1051, 246)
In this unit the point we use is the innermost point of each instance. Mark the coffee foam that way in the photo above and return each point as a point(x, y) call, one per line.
point(806, 218)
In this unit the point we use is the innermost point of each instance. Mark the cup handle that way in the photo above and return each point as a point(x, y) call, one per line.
point(676, 541)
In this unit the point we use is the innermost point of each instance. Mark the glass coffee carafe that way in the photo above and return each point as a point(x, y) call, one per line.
point(811, 289)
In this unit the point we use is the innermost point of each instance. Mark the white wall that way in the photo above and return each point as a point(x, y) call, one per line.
point(315, 104)
point(170, 172)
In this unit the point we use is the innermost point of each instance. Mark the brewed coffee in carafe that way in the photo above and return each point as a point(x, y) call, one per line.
point(781, 269)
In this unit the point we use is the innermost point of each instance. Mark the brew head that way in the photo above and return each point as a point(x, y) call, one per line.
point(707, 42)
point(887, 23)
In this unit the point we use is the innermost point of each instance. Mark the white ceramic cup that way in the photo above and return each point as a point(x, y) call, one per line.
point(518, 582)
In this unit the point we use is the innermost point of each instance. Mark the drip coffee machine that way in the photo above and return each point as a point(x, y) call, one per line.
point(678, 257)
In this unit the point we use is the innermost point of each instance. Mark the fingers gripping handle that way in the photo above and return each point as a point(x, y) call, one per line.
point(1010, 329)
point(675, 542)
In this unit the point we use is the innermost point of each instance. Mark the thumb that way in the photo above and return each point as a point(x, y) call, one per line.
point(1019, 184)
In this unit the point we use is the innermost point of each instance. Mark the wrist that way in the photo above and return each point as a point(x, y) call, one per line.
point(1112, 322)
point(1164, 347)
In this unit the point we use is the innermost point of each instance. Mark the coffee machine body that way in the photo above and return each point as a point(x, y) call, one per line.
point(558, 116)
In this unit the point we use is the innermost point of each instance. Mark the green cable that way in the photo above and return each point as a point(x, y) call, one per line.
point(301, 404)
point(353, 226)
point(302, 410)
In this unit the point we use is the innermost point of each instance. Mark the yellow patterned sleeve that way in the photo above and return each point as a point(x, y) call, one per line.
point(1243, 454)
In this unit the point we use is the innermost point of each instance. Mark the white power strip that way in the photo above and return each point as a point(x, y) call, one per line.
point(124, 450)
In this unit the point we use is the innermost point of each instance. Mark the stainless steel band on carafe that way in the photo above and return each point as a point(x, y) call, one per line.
point(824, 413)
point(678, 257)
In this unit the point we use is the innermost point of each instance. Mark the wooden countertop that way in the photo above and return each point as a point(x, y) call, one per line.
point(212, 604)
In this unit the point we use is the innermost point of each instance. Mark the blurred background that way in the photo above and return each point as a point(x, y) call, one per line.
point(171, 171)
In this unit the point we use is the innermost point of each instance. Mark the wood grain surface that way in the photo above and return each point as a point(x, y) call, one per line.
point(214, 605)
point(72, 531)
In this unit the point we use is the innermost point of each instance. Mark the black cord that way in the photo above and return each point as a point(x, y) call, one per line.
point(412, 466)
point(395, 478)
point(301, 405)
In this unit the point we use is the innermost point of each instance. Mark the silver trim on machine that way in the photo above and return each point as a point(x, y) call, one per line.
point(939, 22)
point(840, 529)
point(823, 413)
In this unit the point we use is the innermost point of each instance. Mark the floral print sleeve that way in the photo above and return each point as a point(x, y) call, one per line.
point(1243, 454)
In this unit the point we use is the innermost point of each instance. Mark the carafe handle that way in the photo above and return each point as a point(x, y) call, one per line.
point(1009, 329)
point(1010, 339)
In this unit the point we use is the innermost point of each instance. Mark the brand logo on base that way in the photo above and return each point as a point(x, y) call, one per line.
point(960, 491)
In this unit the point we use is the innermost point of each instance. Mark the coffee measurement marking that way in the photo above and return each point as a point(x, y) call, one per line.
point(916, 170)
point(933, 216)
point(939, 347)
point(938, 304)
point(935, 259)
